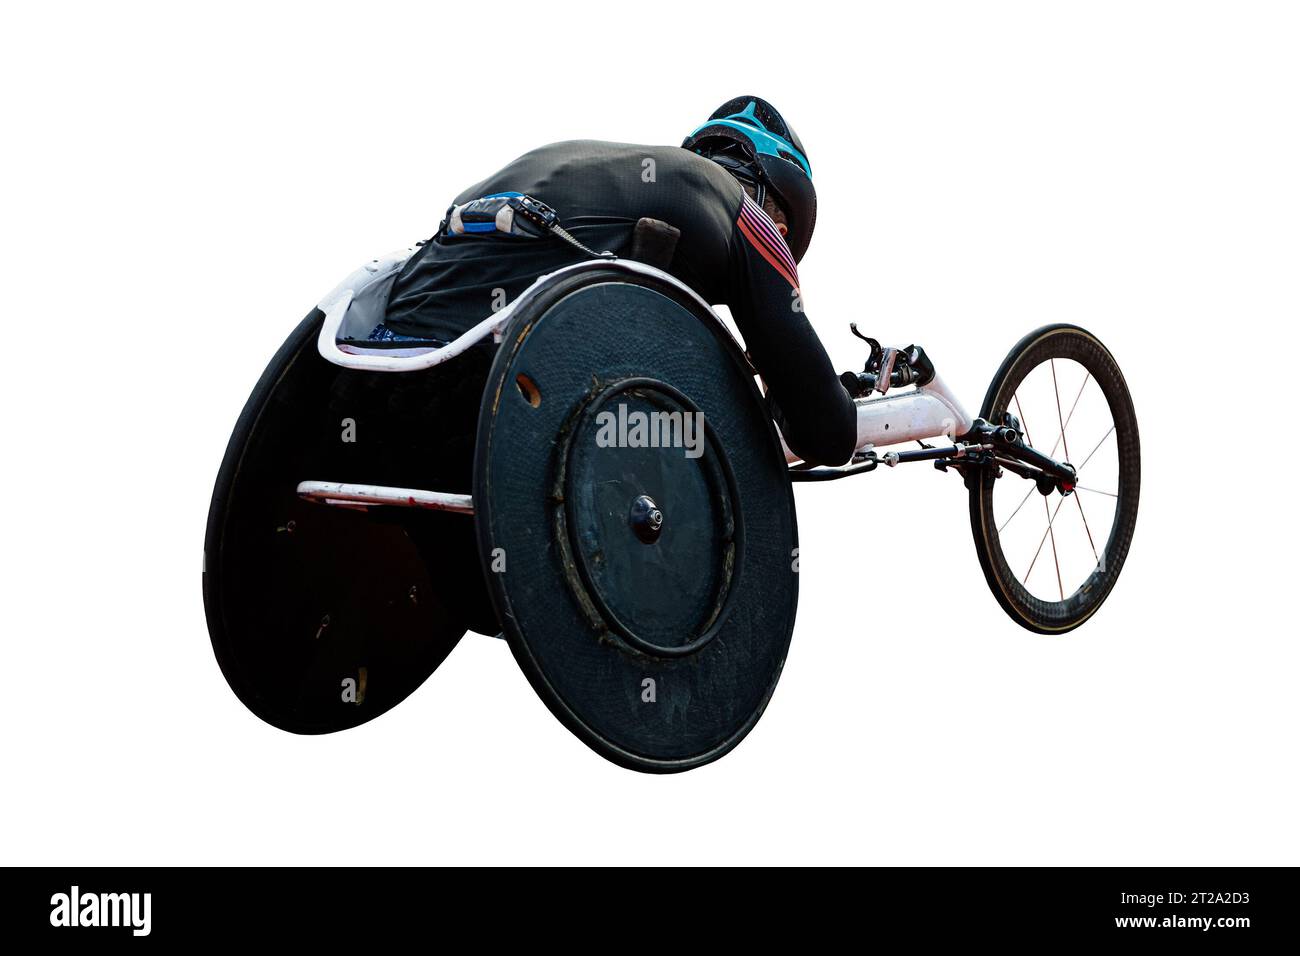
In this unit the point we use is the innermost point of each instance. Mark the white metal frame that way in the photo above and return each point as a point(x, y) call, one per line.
point(356, 355)
point(345, 494)
point(929, 411)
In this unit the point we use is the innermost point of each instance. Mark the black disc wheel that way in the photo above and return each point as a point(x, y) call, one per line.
point(324, 617)
point(635, 518)
point(1052, 558)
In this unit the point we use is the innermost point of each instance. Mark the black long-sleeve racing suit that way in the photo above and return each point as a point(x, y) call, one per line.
point(729, 252)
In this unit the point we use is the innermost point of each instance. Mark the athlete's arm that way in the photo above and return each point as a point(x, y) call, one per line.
point(815, 413)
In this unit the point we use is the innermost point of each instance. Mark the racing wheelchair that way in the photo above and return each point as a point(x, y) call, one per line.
point(616, 502)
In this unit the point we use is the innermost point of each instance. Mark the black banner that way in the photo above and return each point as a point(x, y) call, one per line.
point(1175, 907)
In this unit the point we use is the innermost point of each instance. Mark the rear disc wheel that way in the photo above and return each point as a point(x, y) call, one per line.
point(323, 618)
point(647, 588)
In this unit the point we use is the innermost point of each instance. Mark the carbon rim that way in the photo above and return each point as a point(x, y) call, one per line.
point(1081, 403)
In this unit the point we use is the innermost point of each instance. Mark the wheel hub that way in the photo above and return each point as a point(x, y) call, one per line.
point(646, 519)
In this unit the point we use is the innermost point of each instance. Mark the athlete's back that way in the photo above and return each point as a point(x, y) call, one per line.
point(599, 190)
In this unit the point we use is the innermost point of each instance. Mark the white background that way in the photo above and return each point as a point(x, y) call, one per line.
point(180, 187)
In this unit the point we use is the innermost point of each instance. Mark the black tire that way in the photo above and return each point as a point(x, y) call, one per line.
point(1059, 342)
point(713, 644)
point(298, 595)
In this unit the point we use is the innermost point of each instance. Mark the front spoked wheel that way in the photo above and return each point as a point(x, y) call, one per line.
point(1052, 559)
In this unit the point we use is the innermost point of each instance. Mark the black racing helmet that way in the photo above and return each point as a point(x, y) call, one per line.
point(748, 137)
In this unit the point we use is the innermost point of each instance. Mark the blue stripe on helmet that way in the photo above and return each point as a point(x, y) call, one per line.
point(765, 143)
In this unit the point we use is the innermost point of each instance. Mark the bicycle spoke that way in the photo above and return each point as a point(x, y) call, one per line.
point(1055, 557)
point(1094, 451)
point(1023, 421)
point(1096, 491)
point(1073, 407)
point(1091, 543)
point(1086, 375)
point(1043, 540)
point(1055, 388)
point(1017, 511)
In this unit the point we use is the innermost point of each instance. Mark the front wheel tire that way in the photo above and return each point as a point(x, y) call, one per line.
point(1070, 399)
